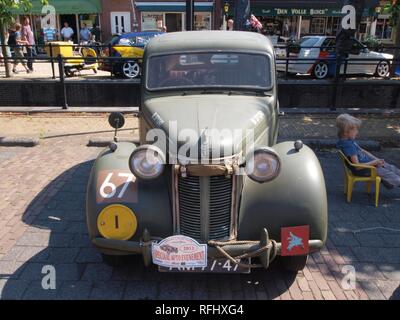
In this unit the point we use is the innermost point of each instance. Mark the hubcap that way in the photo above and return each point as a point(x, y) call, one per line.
point(383, 69)
point(131, 69)
point(321, 70)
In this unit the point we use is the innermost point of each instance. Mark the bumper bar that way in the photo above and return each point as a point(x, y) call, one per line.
point(235, 249)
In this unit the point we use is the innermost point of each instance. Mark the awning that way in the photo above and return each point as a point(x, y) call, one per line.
point(167, 6)
point(313, 12)
point(64, 7)
point(314, 8)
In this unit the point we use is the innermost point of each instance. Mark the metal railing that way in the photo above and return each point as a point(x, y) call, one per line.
point(334, 62)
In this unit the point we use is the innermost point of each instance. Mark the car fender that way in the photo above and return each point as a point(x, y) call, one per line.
point(296, 197)
point(151, 202)
point(130, 52)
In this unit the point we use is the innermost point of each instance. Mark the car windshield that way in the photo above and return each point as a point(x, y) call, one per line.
point(308, 42)
point(211, 69)
point(140, 40)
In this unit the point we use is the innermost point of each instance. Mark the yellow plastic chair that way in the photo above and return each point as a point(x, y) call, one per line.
point(350, 178)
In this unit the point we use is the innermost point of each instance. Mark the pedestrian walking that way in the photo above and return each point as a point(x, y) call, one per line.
point(84, 33)
point(67, 32)
point(27, 35)
point(18, 53)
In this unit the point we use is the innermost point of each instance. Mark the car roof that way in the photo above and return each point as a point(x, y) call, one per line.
point(209, 40)
point(140, 34)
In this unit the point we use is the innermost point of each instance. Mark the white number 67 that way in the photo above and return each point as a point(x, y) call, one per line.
point(113, 189)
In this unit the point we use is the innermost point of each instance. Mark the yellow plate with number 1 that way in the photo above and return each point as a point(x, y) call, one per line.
point(117, 222)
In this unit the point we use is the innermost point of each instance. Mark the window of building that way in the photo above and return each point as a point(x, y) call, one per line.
point(318, 26)
point(202, 21)
point(332, 26)
point(152, 21)
point(383, 29)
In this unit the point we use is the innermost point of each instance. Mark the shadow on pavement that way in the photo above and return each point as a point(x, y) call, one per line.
point(57, 236)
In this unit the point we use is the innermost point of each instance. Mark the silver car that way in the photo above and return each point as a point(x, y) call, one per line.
point(321, 52)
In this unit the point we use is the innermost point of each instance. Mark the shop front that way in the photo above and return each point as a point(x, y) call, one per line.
point(296, 22)
point(74, 12)
point(155, 15)
point(289, 18)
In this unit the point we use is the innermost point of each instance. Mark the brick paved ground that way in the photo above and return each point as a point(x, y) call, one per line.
point(42, 222)
point(376, 127)
point(292, 126)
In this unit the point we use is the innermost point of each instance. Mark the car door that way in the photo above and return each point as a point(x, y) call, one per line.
point(361, 65)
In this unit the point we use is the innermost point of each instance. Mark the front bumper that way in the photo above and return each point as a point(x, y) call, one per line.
point(255, 249)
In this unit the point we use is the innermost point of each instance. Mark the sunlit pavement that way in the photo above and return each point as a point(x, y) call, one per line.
point(42, 222)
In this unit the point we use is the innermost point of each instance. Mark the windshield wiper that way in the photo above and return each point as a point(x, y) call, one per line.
point(237, 92)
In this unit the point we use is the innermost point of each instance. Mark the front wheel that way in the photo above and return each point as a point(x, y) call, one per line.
point(383, 68)
point(321, 70)
point(69, 72)
point(294, 263)
point(130, 70)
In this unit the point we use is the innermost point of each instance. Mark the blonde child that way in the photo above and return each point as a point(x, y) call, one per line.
point(348, 127)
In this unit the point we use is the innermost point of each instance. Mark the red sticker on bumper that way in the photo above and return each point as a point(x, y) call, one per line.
point(295, 240)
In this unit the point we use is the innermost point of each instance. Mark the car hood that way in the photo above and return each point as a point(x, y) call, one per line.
point(386, 56)
point(208, 126)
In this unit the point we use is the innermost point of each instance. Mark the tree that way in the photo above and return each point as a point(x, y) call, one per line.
point(6, 18)
point(394, 9)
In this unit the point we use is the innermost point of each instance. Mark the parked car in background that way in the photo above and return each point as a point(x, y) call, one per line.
point(322, 54)
point(128, 45)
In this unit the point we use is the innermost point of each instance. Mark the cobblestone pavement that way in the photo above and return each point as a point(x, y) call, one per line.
point(43, 71)
point(42, 222)
point(376, 127)
point(292, 126)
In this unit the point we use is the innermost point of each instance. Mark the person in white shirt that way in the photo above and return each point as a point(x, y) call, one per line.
point(67, 32)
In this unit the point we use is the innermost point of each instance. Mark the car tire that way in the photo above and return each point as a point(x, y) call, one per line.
point(130, 70)
point(68, 72)
point(382, 69)
point(321, 70)
point(111, 260)
point(294, 263)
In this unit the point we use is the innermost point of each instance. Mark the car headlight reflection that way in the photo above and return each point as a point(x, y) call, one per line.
point(262, 165)
point(147, 162)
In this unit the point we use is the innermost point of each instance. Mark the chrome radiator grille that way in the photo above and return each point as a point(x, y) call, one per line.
point(189, 207)
point(220, 207)
point(205, 207)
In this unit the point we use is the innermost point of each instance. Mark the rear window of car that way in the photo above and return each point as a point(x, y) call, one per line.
point(308, 42)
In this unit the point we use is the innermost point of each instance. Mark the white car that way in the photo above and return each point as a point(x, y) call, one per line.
point(321, 52)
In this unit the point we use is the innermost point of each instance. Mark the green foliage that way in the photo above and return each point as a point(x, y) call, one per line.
point(372, 43)
point(394, 10)
point(6, 7)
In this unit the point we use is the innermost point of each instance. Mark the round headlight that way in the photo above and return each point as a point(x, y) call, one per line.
point(147, 162)
point(262, 165)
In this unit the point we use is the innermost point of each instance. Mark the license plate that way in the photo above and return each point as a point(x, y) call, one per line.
point(214, 266)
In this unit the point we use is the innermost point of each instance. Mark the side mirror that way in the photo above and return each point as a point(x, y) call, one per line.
point(117, 121)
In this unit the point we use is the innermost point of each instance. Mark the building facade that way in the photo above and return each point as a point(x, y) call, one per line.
point(75, 12)
point(128, 15)
point(296, 18)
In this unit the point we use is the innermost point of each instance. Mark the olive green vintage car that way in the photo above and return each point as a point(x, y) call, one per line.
point(208, 188)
